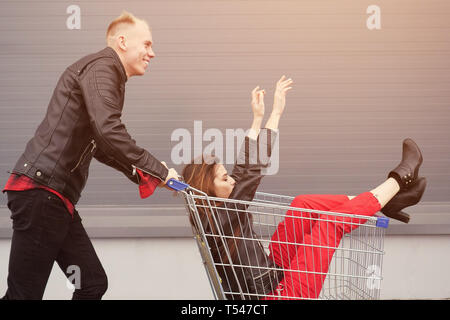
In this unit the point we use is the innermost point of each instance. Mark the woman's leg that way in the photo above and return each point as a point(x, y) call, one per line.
point(383, 194)
point(314, 256)
point(299, 222)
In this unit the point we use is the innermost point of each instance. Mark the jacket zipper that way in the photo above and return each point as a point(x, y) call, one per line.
point(135, 173)
point(83, 155)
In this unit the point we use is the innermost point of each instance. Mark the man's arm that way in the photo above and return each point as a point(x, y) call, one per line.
point(101, 91)
point(109, 161)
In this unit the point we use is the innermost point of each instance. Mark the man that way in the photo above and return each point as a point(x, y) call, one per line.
point(82, 122)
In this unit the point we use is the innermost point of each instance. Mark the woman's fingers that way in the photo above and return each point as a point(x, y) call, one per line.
point(260, 96)
point(254, 93)
point(284, 82)
point(281, 79)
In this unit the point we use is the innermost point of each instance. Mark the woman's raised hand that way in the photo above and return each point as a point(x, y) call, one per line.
point(279, 101)
point(258, 102)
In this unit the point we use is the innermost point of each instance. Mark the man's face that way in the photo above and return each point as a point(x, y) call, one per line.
point(139, 49)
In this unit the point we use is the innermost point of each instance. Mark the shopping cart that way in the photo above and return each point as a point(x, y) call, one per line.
point(355, 272)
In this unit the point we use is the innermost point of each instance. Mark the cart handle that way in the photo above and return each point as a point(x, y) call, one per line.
point(177, 185)
point(382, 222)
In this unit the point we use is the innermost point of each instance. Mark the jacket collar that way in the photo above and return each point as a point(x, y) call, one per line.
point(116, 57)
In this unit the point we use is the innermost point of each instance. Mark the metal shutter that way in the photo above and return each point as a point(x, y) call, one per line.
point(358, 93)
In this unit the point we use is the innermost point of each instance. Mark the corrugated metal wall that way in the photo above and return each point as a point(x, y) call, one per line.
point(358, 92)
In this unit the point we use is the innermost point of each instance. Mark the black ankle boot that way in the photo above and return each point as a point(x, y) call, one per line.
point(408, 169)
point(403, 199)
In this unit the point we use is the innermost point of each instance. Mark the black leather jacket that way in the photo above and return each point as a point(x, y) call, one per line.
point(247, 173)
point(82, 122)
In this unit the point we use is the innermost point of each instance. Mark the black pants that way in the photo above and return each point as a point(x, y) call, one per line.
point(44, 232)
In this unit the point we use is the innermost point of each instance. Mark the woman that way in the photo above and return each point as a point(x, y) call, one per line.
point(245, 267)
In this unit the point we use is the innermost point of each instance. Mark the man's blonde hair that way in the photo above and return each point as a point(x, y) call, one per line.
point(124, 20)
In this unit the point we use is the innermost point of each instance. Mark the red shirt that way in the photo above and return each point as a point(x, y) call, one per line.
point(16, 182)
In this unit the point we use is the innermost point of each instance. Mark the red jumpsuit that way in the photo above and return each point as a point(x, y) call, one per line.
point(327, 231)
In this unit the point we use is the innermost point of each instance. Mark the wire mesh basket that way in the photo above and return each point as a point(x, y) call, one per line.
point(331, 265)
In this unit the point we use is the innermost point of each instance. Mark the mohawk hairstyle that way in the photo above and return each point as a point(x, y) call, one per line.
point(126, 18)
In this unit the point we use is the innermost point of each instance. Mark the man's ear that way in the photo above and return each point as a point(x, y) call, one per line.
point(122, 42)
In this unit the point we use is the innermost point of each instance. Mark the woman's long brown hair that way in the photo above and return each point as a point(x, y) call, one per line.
point(201, 176)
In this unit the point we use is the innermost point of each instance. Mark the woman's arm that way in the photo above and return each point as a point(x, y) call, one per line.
point(258, 112)
point(247, 170)
point(248, 151)
point(279, 102)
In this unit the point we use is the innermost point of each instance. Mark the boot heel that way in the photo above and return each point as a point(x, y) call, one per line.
point(399, 215)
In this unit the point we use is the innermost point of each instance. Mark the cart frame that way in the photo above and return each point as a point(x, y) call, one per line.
point(355, 271)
